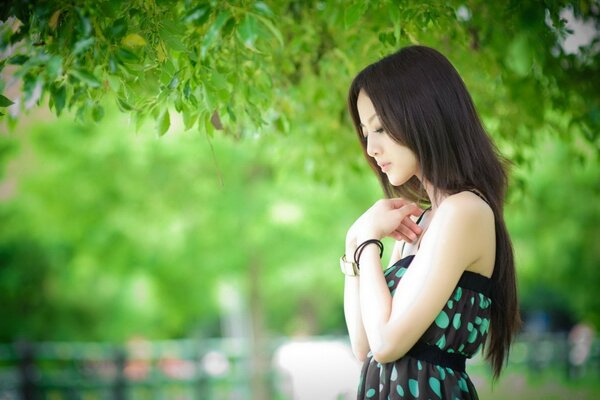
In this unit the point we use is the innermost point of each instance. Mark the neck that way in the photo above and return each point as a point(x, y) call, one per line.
point(435, 201)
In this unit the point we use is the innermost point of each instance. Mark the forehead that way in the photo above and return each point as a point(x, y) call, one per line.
point(366, 109)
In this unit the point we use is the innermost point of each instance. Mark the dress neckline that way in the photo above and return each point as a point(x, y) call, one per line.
point(468, 280)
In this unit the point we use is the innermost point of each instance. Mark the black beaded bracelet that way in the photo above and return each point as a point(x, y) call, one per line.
point(362, 246)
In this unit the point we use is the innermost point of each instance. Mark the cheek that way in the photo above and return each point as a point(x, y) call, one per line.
point(411, 162)
point(405, 168)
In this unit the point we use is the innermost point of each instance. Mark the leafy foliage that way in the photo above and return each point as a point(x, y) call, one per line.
point(555, 226)
point(260, 67)
point(143, 229)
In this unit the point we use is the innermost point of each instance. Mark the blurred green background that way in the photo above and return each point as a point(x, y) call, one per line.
point(203, 171)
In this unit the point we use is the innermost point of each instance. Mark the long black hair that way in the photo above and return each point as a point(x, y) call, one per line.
point(423, 104)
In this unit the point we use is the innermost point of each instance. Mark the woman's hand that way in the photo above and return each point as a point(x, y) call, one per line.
point(388, 217)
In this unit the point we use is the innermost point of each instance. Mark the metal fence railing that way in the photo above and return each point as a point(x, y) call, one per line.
point(205, 369)
point(178, 369)
point(572, 353)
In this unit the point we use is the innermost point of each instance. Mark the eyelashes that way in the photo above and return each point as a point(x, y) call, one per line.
point(366, 134)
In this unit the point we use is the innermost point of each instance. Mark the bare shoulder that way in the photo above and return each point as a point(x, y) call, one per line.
point(474, 224)
point(468, 207)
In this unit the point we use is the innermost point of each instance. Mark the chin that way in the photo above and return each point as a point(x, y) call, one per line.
point(394, 181)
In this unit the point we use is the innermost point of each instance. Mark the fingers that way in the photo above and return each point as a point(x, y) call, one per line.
point(398, 236)
point(398, 202)
point(413, 209)
point(408, 230)
point(406, 233)
point(412, 225)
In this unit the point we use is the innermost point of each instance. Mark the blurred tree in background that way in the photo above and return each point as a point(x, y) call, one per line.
point(236, 226)
point(108, 234)
point(111, 234)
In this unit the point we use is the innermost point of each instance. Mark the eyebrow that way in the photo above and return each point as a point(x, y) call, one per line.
point(369, 119)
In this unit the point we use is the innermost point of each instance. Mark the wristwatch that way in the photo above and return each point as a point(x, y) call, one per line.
point(349, 268)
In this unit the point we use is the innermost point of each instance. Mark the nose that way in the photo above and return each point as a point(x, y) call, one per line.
point(373, 146)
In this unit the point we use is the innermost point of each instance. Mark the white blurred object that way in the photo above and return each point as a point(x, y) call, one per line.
point(580, 340)
point(215, 364)
point(584, 31)
point(318, 370)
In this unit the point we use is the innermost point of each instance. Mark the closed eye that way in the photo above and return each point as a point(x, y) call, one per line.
point(365, 133)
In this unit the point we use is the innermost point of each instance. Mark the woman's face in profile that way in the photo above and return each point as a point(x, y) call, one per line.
point(398, 162)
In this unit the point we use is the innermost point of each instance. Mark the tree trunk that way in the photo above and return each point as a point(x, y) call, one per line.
point(259, 354)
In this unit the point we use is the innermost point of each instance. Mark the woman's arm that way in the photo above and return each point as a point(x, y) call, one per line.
point(356, 330)
point(454, 241)
point(352, 313)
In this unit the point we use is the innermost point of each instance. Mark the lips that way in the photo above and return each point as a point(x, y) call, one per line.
point(384, 165)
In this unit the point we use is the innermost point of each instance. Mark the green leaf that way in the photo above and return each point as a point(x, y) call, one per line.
point(139, 118)
point(5, 102)
point(83, 45)
point(231, 113)
point(178, 105)
point(112, 64)
point(189, 119)
point(19, 59)
point(198, 15)
point(210, 101)
point(133, 40)
point(172, 34)
point(353, 13)
point(519, 56)
point(215, 28)
point(208, 125)
point(187, 90)
point(97, 113)
point(247, 31)
point(59, 97)
point(118, 29)
point(228, 27)
point(205, 125)
point(220, 84)
point(163, 123)
point(123, 105)
point(262, 8)
point(114, 82)
point(86, 77)
point(127, 56)
point(54, 68)
point(276, 33)
point(387, 38)
point(84, 22)
point(30, 82)
point(174, 82)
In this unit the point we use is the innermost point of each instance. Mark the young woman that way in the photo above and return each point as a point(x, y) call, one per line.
point(450, 285)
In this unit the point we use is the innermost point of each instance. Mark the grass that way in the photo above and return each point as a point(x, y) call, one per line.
point(517, 383)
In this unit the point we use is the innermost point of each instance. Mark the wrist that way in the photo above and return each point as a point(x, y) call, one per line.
point(366, 246)
point(350, 245)
point(367, 235)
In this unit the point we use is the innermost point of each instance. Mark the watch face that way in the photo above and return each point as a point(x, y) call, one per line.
point(347, 267)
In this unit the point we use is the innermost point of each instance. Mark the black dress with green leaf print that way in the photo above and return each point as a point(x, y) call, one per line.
point(457, 332)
